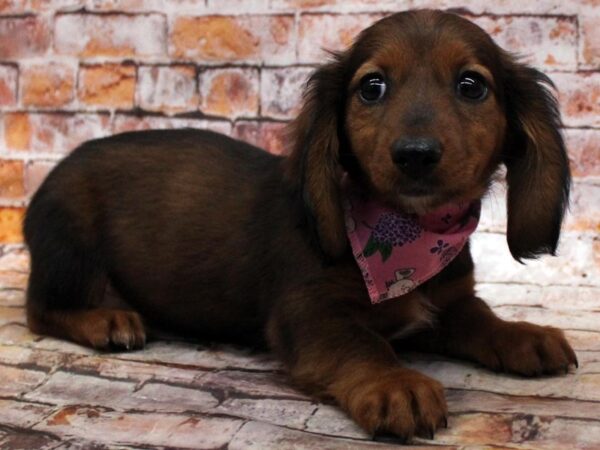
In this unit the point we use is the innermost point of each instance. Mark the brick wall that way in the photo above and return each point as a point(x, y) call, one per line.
point(71, 70)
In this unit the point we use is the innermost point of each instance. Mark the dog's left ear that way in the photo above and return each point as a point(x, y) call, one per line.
point(313, 166)
point(538, 173)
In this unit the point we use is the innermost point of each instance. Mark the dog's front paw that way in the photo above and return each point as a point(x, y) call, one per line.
point(399, 401)
point(530, 350)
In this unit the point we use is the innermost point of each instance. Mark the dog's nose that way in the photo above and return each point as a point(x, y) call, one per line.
point(416, 156)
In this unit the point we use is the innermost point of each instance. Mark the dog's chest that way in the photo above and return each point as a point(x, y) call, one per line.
point(401, 316)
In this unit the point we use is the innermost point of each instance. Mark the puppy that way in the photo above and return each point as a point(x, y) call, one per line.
point(211, 237)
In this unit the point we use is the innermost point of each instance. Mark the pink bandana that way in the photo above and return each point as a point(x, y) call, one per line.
point(397, 252)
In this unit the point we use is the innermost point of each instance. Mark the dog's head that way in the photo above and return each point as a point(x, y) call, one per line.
point(421, 111)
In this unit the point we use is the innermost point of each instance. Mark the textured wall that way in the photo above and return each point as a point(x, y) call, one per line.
point(73, 70)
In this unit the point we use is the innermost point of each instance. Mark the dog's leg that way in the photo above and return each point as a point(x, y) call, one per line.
point(104, 329)
point(71, 318)
point(467, 328)
point(67, 283)
point(330, 353)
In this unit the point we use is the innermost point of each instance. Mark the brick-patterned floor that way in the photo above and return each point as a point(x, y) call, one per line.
point(185, 395)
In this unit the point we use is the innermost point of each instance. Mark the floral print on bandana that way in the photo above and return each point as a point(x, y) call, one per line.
point(386, 242)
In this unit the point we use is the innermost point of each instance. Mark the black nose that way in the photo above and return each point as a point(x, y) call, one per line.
point(416, 156)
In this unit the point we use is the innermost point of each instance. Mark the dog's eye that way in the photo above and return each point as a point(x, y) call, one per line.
point(471, 85)
point(372, 88)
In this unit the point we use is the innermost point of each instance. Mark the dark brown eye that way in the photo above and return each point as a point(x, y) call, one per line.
point(372, 88)
point(472, 86)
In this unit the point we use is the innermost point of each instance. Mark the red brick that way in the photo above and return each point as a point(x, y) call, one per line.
point(392, 6)
point(10, 279)
point(264, 384)
point(9, 297)
point(145, 5)
point(503, 7)
point(270, 136)
point(508, 7)
point(22, 414)
point(332, 420)
point(162, 397)
point(63, 347)
point(35, 173)
point(584, 209)
point(229, 92)
point(547, 42)
point(281, 91)
point(289, 413)
point(309, 4)
point(8, 86)
point(109, 85)
point(320, 33)
point(265, 436)
point(235, 39)
point(578, 263)
point(11, 179)
point(478, 427)
point(17, 131)
point(583, 340)
point(10, 226)
point(238, 6)
point(345, 6)
point(584, 151)
point(22, 37)
point(62, 387)
point(15, 381)
point(589, 29)
point(190, 357)
point(13, 280)
point(579, 95)
point(462, 401)
point(13, 6)
point(50, 84)
point(20, 438)
point(10, 314)
point(15, 260)
point(516, 7)
point(36, 6)
point(19, 356)
point(110, 35)
point(154, 429)
point(134, 122)
point(52, 132)
point(167, 88)
point(132, 370)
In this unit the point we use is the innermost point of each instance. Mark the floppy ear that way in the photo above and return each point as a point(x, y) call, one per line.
point(313, 166)
point(538, 174)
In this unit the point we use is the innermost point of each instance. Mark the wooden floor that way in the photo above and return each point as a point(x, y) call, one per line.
point(182, 395)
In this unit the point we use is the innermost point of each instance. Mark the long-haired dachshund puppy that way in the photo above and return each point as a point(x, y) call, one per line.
point(398, 139)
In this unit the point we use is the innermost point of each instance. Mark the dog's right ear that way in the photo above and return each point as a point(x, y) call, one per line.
point(313, 165)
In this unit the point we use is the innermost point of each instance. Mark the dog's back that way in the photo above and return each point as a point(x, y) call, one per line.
point(165, 217)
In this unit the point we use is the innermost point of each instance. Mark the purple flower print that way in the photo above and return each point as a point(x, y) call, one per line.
point(392, 230)
point(439, 248)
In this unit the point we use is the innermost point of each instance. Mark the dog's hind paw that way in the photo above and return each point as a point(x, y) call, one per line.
point(110, 329)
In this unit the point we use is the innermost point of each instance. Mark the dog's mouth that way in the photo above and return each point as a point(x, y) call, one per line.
point(417, 191)
point(420, 197)
point(413, 196)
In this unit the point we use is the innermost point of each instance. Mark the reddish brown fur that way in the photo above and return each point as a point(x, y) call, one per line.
point(210, 237)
